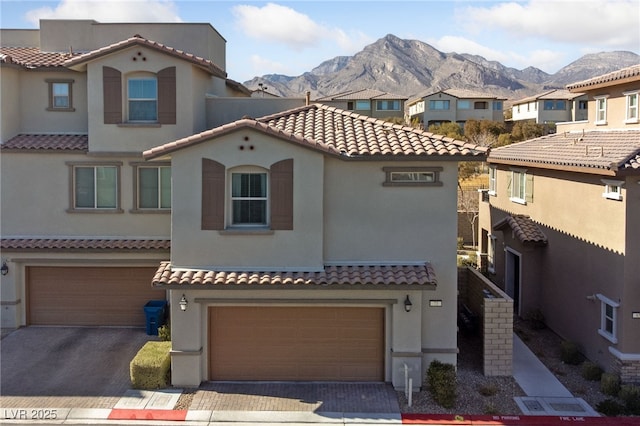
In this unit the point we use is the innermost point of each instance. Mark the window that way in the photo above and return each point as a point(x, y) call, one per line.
point(462, 104)
point(497, 105)
point(631, 115)
point(143, 99)
point(554, 105)
point(388, 105)
point(481, 105)
point(612, 189)
point(153, 187)
point(95, 187)
point(492, 180)
point(363, 105)
point(439, 105)
point(60, 95)
point(249, 198)
point(491, 254)
point(608, 318)
point(601, 110)
point(582, 105)
point(521, 187)
point(412, 176)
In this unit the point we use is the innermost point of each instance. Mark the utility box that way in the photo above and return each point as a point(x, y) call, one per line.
point(155, 311)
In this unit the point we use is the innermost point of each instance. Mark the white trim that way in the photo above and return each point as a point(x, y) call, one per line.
point(604, 120)
point(627, 97)
point(605, 301)
point(622, 356)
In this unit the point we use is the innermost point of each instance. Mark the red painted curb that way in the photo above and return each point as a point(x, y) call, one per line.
point(515, 420)
point(127, 414)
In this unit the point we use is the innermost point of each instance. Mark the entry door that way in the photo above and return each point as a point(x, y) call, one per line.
point(512, 277)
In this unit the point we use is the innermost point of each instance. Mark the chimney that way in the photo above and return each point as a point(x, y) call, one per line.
point(307, 98)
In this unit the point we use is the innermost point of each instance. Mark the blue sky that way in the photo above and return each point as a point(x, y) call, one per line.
point(294, 36)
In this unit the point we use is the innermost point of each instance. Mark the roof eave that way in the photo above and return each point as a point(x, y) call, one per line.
point(559, 167)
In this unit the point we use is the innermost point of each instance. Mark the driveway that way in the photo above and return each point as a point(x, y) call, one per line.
point(67, 367)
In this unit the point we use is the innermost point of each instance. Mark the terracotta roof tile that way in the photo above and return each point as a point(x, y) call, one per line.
point(140, 41)
point(525, 229)
point(631, 73)
point(610, 150)
point(64, 244)
point(550, 94)
point(341, 133)
point(26, 142)
point(387, 276)
point(361, 94)
point(33, 57)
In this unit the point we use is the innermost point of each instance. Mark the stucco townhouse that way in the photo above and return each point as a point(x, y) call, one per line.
point(311, 244)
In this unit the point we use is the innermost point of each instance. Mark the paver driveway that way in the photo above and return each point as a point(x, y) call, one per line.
point(67, 367)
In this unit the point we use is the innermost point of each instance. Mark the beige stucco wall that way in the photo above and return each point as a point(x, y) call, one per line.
point(300, 248)
point(223, 110)
point(10, 102)
point(36, 194)
point(616, 106)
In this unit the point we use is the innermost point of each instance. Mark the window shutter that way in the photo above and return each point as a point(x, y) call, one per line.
point(212, 195)
point(112, 94)
point(509, 182)
point(529, 188)
point(167, 96)
point(281, 189)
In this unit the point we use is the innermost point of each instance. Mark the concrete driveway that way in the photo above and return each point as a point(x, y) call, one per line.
point(67, 366)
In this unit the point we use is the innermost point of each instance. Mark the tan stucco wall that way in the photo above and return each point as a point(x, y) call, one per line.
point(222, 110)
point(300, 248)
point(10, 103)
point(616, 106)
point(36, 194)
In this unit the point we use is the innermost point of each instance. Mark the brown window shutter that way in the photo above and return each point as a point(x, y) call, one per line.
point(167, 96)
point(112, 94)
point(281, 189)
point(212, 194)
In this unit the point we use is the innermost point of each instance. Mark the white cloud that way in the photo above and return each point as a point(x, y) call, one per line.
point(108, 11)
point(274, 23)
point(610, 24)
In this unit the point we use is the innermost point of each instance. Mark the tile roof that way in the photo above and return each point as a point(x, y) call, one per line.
point(29, 244)
point(380, 276)
point(33, 57)
point(524, 228)
point(340, 133)
point(361, 94)
point(599, 151)
point(47, 142)
point(550, 94)
point(631, 73)
point(137, 40)
point(456, 93)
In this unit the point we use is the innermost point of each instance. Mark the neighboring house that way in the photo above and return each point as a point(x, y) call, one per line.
point(313, 244)
point(455, 105)
point(370, 102)
point(559, 225)
point(85, 220)
point(553, 106)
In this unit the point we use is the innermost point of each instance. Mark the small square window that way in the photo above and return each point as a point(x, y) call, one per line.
point(612, 189)
point(153, 187)
point(95, 187)
point(143, 99)
point(608, 318)
point(60, 95)
point(249, 198)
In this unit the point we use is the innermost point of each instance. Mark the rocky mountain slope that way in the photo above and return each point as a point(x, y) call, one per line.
point(412, 67)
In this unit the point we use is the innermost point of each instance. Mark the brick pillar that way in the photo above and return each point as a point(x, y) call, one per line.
point(498, 337)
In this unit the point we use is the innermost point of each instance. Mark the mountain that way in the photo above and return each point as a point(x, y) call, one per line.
point(412, 67)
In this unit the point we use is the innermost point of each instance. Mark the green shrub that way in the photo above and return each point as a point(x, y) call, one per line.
point(460, 243)
point(610, 407)
point(610, 384)
point(630, 396)
point(151, 367)
point(570, 353)
point(591, 371)
point(488, 390)
point(164, 333)
point(442, 383)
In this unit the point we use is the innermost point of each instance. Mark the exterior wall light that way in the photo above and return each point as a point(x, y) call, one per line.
point(407, 304)
point(183, 303)
point(4, 270)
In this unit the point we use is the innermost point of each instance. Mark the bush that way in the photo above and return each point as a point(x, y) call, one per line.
point(610, 407)
point(164, 333)
point(610, 384)
point(591, 371)
point(151, 367)
point(442, 383)
point(569, 353)
point(630, 396)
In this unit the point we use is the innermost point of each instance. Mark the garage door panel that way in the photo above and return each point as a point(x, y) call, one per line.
point(89, 296)
point(296, 343)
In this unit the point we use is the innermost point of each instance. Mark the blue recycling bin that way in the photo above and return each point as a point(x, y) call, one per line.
point(154, 311)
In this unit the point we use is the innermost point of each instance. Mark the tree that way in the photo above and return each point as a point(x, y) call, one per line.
point(449, 129)
point(525, 130)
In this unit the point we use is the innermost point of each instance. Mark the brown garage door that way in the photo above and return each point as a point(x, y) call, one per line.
point(89, 296)
point(296, 343)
